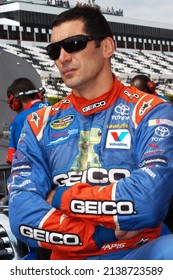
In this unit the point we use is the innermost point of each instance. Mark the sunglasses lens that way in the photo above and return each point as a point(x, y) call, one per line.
point(53, 51)
point(75, 45)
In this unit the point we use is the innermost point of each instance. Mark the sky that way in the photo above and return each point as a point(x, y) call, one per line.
point(152, 10)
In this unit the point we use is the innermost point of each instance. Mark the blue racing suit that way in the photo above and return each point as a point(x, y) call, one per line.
point(17, 124)
point(110, 160)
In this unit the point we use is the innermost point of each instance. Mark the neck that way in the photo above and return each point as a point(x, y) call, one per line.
point(95, 88)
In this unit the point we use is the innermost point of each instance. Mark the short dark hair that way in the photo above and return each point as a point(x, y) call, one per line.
point(22, 85)
point(144, 79)
point(94, 21)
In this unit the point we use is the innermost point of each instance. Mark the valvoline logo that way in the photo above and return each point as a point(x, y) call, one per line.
point(118, 139)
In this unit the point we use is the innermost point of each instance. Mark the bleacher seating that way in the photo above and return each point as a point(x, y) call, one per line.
point(125, 64)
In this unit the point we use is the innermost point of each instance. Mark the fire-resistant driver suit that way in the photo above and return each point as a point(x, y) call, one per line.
point(17, 124)
point(110, 160)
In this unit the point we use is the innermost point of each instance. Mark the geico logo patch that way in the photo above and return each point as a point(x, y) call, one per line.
point(102, 207)
point(54, 238)
point(92, 175)
point(94, 106)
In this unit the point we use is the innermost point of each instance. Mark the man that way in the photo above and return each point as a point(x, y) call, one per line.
point(23, 98)
point(92, 176)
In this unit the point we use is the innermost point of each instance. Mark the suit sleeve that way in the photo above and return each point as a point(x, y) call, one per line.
point(13, 141)
point(140, 200)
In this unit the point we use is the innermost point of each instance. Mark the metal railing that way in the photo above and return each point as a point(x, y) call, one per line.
point(4, 174)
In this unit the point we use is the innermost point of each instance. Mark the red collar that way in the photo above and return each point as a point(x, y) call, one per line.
point(87, 107)
point(31, 103)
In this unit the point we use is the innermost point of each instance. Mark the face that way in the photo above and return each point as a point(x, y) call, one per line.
point(79, 70)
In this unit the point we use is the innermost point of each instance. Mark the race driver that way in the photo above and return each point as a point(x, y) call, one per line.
point(92, 175)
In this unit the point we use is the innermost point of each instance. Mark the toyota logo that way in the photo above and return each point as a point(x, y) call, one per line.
point(162, 131)
point(122, 109)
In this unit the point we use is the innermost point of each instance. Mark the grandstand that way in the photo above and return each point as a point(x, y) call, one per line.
point(142, 46)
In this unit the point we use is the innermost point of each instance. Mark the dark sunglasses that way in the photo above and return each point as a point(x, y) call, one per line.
point(70, 45)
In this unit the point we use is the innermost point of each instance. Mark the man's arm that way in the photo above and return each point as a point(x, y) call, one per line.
point(33, 220)
point(140, 200)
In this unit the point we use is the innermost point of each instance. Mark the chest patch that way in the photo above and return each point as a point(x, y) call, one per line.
point(118, 139)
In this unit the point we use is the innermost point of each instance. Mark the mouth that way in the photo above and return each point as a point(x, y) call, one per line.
point(68, 72)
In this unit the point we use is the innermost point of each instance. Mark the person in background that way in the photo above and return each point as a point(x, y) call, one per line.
point(23, 98)
point(92, 177)
point(143, 83)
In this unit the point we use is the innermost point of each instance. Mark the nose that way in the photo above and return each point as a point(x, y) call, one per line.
point(64, 56)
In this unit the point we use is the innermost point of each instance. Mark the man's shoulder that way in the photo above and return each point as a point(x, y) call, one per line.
point(143, 103)
point(20, 117)
point(41, 105)
point(38, 119)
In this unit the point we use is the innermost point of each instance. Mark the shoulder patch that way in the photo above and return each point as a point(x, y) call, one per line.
point(38, 119)
point(144, 105)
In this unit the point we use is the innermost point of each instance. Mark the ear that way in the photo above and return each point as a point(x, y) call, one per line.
point(108, 47)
